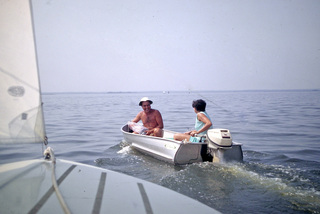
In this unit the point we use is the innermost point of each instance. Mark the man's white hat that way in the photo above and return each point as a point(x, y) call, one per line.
point(143, 99)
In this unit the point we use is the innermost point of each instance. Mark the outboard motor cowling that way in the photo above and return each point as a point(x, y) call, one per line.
point(219, 138)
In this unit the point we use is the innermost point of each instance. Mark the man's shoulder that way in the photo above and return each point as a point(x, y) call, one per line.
point(140, 113)
point(155, 111)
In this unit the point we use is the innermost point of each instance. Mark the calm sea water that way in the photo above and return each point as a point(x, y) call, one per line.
point(280, 132)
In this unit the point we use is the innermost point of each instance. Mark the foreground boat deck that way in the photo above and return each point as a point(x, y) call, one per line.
point(26, 187)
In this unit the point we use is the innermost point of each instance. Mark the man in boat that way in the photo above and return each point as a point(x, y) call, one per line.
point(151, 118)
point(203, 123)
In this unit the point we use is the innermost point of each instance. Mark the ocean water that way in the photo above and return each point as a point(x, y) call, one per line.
point(279, 130)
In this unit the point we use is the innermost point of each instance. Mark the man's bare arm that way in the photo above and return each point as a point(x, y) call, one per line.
point(137, 118)
point(159, 120)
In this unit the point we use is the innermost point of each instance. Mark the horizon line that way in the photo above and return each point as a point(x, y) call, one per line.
point(177, 91)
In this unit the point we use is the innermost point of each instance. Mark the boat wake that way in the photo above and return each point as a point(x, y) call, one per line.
point(125, 150)
point(266, 179)
point(218, 185)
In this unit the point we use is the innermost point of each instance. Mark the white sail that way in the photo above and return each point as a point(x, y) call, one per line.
point(21, 114)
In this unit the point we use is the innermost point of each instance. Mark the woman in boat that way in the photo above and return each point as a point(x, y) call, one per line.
point(203, 123)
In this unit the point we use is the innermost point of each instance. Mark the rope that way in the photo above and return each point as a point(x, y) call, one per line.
point(241, 117)
point(207, 99)
point(49, 155)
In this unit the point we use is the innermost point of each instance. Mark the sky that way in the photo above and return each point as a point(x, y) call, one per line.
point(177, 45)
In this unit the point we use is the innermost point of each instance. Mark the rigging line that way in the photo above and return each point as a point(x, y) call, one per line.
point(206, 98)
point(45, 144)
point(18, 79)
point(226, 110)
point(50, 191)
point(49, 151)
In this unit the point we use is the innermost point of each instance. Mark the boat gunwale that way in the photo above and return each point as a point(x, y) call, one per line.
point(151, 137)
point(159, 138)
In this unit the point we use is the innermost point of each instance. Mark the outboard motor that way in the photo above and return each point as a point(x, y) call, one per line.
point(219, 138)
point(221, 149)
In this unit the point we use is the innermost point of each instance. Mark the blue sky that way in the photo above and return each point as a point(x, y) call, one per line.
point(128, 45)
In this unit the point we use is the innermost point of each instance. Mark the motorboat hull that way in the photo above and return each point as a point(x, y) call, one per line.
point(179, 152)
point(165, 148)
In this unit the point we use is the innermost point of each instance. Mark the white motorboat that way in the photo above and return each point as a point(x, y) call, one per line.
point(52, 185)
point(217, 146)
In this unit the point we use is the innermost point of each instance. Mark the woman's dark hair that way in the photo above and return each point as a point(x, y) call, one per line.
point(199, 105)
